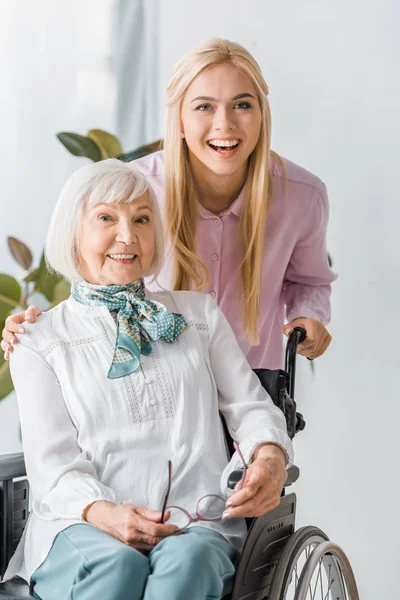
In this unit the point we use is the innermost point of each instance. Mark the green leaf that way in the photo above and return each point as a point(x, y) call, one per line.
point(46, 281)
point(10, 294)
point(32, 276)
point(6, 384)
point(140, 152)
point(80, 145)
point(109, 145)
point(61, 292)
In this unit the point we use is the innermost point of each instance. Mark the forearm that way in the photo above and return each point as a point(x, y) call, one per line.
point(310, 302)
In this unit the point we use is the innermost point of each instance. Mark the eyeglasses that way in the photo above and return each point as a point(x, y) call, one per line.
point(209, 508)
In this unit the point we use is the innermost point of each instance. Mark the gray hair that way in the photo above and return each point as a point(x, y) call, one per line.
point(108, 181)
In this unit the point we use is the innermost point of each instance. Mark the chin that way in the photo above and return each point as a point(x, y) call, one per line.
point(225, 169)
point(123, 279)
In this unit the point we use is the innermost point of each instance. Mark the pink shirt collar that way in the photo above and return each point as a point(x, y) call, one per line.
point(235, 208)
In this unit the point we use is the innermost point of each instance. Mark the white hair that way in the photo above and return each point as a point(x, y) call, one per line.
point(108, 181)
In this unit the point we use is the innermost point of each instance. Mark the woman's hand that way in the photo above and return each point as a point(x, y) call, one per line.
point(317, 340)
point(263, 485)
point(135, 526)
point(13, 325)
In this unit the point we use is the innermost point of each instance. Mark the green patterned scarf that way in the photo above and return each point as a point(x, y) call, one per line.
point(138, 321)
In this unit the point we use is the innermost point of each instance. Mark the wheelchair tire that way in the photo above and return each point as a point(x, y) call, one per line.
point(333, 553)
point(333, 581)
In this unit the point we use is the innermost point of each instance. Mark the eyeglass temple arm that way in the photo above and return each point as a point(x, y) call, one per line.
point(164, 506)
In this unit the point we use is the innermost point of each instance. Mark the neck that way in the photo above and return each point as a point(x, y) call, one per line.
point(217, 192)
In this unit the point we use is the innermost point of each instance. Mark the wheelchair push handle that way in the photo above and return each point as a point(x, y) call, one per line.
point(297, 336)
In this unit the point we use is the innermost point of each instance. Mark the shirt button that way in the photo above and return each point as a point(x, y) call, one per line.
point(147, 380)
point(152, 402)
point(217, 222)
point(215, 257)
point(212, 294)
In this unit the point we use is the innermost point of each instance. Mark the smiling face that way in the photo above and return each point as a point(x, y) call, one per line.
point(221, 119)
point(116, 244)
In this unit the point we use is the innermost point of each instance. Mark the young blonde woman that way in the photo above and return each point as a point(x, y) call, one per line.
point(244, 224)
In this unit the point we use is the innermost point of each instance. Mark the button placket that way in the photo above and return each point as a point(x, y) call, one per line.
point(215, 257)
point(148, 387)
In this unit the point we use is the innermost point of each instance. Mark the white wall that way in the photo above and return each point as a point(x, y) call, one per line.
point(332, 68)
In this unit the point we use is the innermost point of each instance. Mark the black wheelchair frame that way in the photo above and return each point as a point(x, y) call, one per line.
point(267, 535)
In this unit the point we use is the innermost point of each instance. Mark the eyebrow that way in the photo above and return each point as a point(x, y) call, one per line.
point(238, 97)
point(144, 206)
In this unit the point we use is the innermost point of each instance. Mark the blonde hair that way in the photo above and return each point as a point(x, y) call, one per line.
point(106, 182)
point(181, 205)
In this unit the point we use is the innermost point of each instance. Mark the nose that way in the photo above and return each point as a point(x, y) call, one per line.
point(126, 233)
point(224, 119)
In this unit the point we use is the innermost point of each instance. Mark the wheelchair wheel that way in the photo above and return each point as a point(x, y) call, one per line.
point(313, 568)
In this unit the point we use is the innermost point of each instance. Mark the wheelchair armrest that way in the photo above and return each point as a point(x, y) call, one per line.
point(293, 474)
point(12, 466)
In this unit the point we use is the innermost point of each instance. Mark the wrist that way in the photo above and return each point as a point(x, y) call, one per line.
point(270, 451)
point(97, 512)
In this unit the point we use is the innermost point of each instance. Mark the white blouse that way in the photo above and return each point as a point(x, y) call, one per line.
point(89, 438)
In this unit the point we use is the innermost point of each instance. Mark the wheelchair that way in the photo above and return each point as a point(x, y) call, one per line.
point(277, 562)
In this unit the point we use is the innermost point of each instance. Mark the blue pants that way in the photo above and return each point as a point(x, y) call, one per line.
point(85, 563)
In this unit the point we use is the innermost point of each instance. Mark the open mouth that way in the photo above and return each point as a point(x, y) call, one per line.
point(122, 258)
point(224, 146)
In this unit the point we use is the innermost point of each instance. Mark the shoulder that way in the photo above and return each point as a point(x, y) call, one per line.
point(65, 323)
point(296, 176)
point(298, 193)
point(40, 334)
point(151, 165)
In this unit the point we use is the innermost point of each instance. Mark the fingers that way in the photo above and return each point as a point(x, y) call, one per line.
point(317, 340)
point(153, 528)
point(323, 346)
point(318, 348)
point(150, 515)
point(13, 325)
point(266, 498)
point(32, 313)
point(261, 492)
point(7, 348)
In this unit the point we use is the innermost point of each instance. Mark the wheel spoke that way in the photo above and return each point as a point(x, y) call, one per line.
point(322, 587)
point(316, 569)
point(319, 578)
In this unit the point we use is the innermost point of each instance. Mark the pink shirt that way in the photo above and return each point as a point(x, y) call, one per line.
point(296, 276)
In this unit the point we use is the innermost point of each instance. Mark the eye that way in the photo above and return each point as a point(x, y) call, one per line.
point(144, 220)
point(105, 218)
point(242, 105)
point(203, 107)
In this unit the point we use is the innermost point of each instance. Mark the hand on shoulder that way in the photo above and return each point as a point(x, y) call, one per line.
point(13, 325)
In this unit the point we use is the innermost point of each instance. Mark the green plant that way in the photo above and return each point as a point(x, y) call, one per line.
point(15, 295)
point(98, 145)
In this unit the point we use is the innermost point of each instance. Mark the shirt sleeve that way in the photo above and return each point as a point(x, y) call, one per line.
point(308, 278)
point(62, 478)
point(251, 416)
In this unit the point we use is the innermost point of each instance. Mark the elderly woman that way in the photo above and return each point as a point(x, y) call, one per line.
point(114, 383)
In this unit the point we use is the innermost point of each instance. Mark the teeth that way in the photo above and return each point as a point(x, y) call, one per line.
point(122, 256)
point(223, 143)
